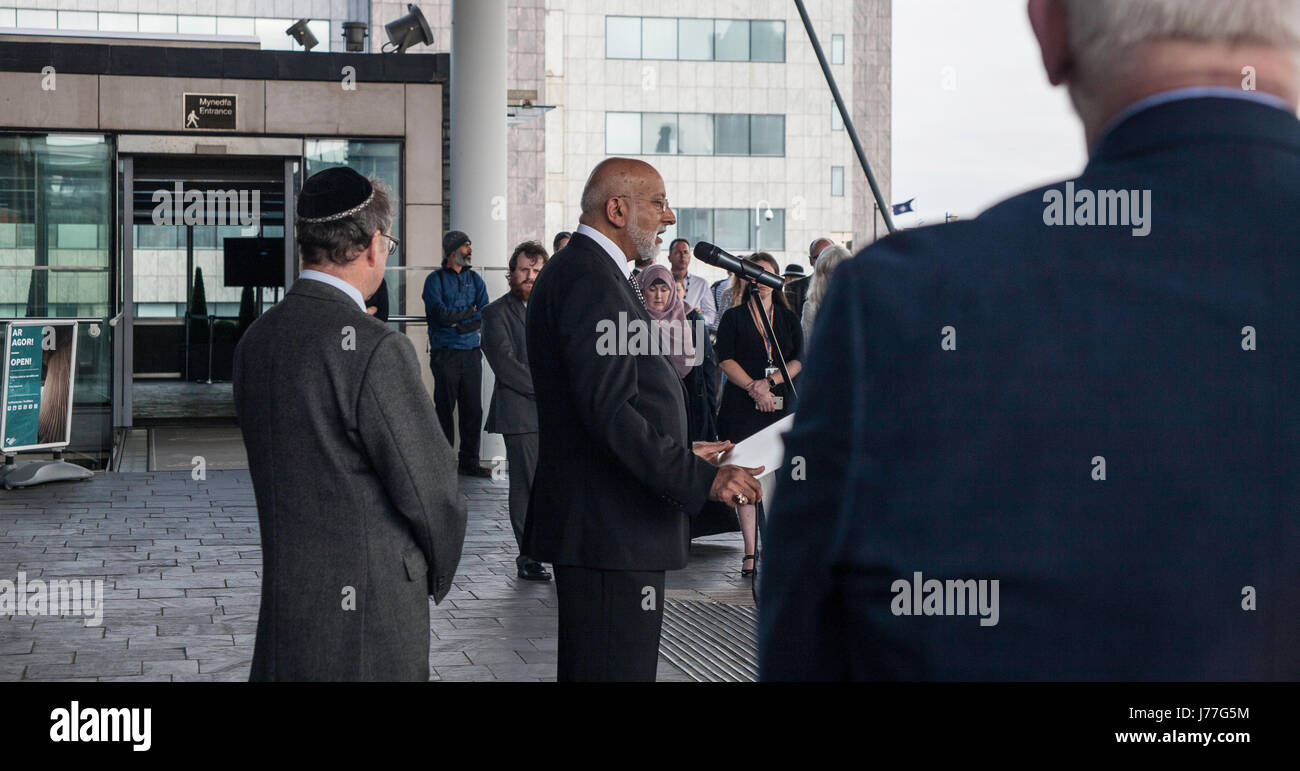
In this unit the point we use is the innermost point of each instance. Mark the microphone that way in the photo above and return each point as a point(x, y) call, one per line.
point(707, 252)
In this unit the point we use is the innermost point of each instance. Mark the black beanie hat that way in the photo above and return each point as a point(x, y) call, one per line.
point(453, 241)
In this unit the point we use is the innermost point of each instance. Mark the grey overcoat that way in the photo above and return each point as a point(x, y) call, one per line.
point(357, 498)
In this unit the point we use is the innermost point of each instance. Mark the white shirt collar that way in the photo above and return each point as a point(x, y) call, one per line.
point(337, 283)
point(615, 254)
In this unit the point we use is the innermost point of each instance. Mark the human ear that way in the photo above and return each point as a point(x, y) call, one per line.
point(1048, 20)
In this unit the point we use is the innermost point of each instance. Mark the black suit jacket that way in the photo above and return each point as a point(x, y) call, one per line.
point(1072, 344)
point(796, 292)
point(513, 409)
point(615, 476)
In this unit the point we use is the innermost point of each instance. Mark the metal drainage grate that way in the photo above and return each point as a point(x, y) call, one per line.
point(710, 641)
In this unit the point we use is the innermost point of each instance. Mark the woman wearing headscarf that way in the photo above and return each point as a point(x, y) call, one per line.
point(684, 339)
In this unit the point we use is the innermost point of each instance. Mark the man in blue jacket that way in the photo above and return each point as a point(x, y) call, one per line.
point(454, 297)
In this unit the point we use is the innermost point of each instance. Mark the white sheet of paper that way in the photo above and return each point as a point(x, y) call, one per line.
point(766, 448)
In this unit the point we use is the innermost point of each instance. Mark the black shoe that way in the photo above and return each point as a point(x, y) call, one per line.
point(473, 470)
point(533, 571)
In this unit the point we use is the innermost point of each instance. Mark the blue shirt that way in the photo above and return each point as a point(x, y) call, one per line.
point(447, 296)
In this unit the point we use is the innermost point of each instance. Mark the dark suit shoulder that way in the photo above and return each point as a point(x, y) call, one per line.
point(498, 306)
point(579, 273)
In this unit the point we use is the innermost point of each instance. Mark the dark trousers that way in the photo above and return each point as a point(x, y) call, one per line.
point(521, 454)
point(609, 624)
point(458, 381)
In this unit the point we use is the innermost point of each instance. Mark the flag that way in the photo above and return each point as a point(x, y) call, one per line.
point(904, 207)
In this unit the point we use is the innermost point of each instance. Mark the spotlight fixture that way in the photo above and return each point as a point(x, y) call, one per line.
point(411, 29)
point(354, 35)
point(303, 35)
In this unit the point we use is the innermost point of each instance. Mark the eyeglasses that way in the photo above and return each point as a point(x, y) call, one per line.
point(393, 244)
point(660, 203)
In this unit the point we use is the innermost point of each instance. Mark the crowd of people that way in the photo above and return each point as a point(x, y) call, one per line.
point(719, 347)
point(1065, 412)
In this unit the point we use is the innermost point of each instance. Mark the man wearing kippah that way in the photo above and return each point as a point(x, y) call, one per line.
point(359, 512)
point(454, 298)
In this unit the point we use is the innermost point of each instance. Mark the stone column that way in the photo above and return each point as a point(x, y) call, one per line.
point(478, 150)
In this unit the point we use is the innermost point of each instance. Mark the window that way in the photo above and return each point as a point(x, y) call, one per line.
point(377, 158)
point(767, 41)
point(695, 134)
point(837, 49)
point(695, 225)
point(732, 134)
point(623, 133)
point(271, 33)
point(117, 22)
point(659, 133)
point(29, 19)
point(695, 39)
point(631, 133)
point(64, 183)
point(767, 135)
point(153, 22)
point(243, 27)
point(733, 229)
point(196, 25)
point(837, 181)
point(8, 18)
point(658, 38)
point(78, 20)
point(622, 37)
point(731, 40)
point(837, 121)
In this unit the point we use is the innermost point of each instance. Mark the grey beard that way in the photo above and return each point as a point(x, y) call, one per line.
point(644, 241)
point(462, 261)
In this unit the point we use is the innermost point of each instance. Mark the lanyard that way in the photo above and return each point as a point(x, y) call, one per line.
point(762, 333)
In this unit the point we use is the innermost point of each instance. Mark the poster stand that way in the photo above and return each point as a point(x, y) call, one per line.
point(36, 400)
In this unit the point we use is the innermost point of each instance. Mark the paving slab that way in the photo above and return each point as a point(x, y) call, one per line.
point(181, 561)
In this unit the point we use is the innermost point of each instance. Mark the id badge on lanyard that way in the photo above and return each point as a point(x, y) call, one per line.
point(769, 370)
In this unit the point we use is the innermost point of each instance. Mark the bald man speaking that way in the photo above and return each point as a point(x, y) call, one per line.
point(617, 479)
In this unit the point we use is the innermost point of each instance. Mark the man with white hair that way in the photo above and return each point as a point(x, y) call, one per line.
point(1072, 417)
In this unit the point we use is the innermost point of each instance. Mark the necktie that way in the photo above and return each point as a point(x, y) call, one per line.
point(636, 289)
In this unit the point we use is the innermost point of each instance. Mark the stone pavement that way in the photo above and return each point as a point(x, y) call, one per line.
point(181, 561)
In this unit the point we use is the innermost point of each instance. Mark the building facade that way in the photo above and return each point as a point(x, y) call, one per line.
point(725, 98)
point(698, 76)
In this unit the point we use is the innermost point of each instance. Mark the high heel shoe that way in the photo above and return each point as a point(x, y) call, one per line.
point(747, 573)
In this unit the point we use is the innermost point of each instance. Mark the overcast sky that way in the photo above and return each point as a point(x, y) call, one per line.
point(1001, 128)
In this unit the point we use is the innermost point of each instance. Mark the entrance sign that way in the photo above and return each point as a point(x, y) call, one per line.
point(209, 112)
point(39, 369)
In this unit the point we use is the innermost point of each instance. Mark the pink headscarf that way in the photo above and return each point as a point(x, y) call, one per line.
point(674, 329)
